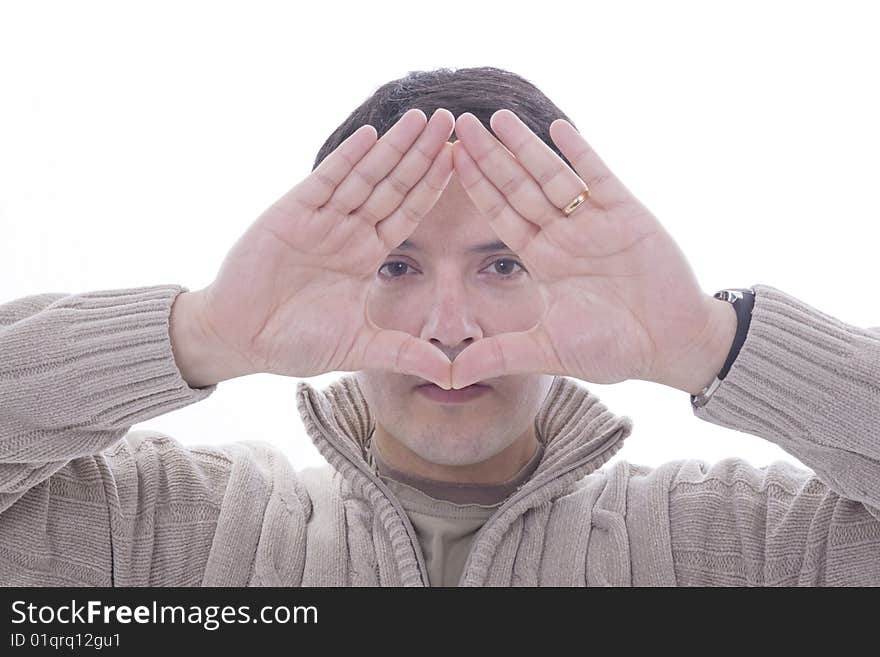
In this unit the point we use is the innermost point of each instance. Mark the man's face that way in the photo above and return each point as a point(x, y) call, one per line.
point(444, 292)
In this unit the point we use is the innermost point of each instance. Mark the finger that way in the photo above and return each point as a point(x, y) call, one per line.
point(559, 183)
point(318, 187)
point(403, 221)
point(391, 191)
point(606, 189)
point(398, 351)
point(375, 165)
point(504, 354)
point(508, 224)
point(504, 171)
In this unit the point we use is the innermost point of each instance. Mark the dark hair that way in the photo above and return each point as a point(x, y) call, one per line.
point(481, 91)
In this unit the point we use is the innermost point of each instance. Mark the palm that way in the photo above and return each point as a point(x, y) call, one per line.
point(618, 291)
point(290, 297)
point(610, 315)
point(284, 282)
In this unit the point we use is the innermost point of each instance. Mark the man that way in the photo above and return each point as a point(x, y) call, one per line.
point(465, 281)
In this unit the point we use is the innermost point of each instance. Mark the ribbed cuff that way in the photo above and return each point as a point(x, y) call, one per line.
point(97, 360)
point(810, 383)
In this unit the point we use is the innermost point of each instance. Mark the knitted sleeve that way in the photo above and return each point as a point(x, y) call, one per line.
point(82, 500)
point(811, 384)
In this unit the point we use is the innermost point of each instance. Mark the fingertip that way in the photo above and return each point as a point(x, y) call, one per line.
point(502, 114)
point(441, 112)
point(416, 110)
point(457, 381)
point(448, 149)
point(562, 124)
point(363, 130)
point(459, 151)
point(444, 382)
point(465, 118)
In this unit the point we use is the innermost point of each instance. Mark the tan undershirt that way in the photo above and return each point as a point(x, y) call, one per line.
point(446, 515)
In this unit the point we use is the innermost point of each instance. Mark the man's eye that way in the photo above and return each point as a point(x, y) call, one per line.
point(505, 271)
point(395, 267)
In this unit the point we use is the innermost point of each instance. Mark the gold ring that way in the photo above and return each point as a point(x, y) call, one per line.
point(580, 198)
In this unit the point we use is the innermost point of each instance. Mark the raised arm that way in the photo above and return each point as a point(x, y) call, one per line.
point(622, 302)
point(76, 372)
point(82, 501)
point(811, 384)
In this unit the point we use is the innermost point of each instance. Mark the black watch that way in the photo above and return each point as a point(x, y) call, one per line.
point(742, 298)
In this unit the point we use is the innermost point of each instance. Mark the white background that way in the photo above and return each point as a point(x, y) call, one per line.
point(138, 141)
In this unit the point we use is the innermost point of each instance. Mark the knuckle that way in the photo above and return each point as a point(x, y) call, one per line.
point(410, 213)
point(426, 156)
point(511, 185)
point(368, 176)
point(398, 358)
point(324, 180)
point(398, 185)
point(495, 210)
point(499, 354)
point(482, 158)
point(546, 176)
point(397, 150)
point(368, 215)
point(430, 183)
point(584, 153)
point(365, 351)
point(600, 179)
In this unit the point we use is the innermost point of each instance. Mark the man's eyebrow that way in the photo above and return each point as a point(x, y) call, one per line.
point(497, 245)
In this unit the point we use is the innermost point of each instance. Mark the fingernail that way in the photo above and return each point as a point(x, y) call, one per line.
point(570, 126)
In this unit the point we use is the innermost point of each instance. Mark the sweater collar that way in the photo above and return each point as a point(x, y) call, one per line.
point(577, 429)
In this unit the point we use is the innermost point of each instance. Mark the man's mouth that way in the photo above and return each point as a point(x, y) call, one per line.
point(429, 383)
point(453, 395)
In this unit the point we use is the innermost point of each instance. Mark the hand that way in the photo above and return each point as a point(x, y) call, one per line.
point(290, 297)
point(621, 301)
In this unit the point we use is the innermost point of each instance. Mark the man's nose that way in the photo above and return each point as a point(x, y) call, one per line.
point(451, 323)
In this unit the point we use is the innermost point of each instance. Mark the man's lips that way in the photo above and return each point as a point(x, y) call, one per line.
point(452, 396)
point(473, 385)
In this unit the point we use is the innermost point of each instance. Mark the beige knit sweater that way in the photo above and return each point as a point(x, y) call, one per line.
point(85, 502)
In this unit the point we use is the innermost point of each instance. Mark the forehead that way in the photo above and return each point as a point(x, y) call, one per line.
point(454, 224)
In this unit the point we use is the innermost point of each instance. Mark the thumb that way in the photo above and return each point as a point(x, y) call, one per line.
point(398, 351)
point(506, 353)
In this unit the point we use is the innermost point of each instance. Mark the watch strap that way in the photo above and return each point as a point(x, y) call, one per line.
point(743, 300)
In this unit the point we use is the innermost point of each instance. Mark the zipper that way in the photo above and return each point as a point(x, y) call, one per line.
point(361, 465)
point(407, 523)
point(522, 493)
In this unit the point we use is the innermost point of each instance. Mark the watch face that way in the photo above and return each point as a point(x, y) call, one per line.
point(729, 295)
point(733, 293)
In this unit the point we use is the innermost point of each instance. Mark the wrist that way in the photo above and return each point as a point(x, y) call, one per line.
point(202, 360)
point(697, 368)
